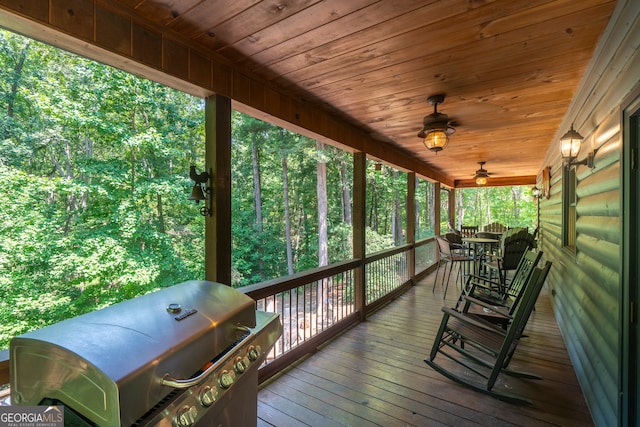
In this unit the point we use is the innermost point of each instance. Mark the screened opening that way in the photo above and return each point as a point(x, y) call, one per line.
point(291, 202)
point(425, 208)
point(94, 186)
point(513, 206)
point(386, 207)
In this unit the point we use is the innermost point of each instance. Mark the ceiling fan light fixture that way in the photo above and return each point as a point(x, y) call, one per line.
point(482, 175)
point(481, 180)
point(436, 140)
point(435, 127)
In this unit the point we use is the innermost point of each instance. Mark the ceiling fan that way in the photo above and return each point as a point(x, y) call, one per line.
point(482, 175)
point(436, 127)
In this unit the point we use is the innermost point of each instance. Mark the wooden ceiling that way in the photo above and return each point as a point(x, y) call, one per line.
point(508, 68)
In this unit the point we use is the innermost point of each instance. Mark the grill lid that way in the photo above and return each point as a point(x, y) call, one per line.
point(121, 352)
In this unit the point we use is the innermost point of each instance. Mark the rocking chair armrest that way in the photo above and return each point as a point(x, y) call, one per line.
point(483, 281)
point(494, 257)
point(476, 278)
point(501, 311)
point(450, 312)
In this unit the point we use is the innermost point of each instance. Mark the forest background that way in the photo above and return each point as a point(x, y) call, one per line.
point(94, 187)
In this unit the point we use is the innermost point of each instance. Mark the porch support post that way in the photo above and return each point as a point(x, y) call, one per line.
point(218, 159)
point(411, 222)
point(437, 208)
point(452, 207)
point(359, 218)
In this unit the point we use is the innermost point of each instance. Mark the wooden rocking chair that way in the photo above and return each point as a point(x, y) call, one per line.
point(492, 292)
point(513, 244)
point(482, 349)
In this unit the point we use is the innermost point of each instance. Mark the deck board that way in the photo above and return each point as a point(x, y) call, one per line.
point(374, 375)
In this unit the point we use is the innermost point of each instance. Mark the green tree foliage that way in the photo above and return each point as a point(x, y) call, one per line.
point(92, 185)
point(386, 207)
point(259, 249)
point(510, 206)
point(425, 209)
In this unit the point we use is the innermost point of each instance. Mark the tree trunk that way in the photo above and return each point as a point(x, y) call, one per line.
point(257, 201)
point(257, 197)
point(287, 217)
point(486, 198)
point(431, 197)
point(515, 192)
point(321, 185)
point(72, 201)
point(460, 208)
point(385, 214)
point(346, 192)
point(161, 225)
point(372, 203)
point(396, 218)
point(15, 81)
point(323, 245)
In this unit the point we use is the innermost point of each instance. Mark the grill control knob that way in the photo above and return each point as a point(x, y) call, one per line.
point(253, 353)
point(186, 416)
point(208, 396)
point(240, 365)
point(174, 308)
point(226, 379)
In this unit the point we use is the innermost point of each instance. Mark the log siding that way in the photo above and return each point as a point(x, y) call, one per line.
point(587, 284)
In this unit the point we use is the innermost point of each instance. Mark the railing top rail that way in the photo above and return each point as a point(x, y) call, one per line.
point(282, 284)
point(388, 252)
point(425, 241)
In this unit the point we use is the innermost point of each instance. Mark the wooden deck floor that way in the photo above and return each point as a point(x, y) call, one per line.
point(374, 375)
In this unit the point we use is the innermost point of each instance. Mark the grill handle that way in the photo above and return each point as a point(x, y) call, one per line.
point(190, 382)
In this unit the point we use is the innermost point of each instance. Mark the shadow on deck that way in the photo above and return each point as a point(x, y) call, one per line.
point(374, 375)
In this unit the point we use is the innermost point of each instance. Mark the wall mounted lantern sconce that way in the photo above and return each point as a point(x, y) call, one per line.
point(201, 191)
point(536, 192)
point(436, 128)
point(570, 144)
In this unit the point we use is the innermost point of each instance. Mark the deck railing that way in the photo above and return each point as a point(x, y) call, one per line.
point(425, 255)
point(318, 304)
point(385, 272)
point(313, 305)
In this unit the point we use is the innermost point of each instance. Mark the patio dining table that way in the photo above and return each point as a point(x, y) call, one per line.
point(480, 247)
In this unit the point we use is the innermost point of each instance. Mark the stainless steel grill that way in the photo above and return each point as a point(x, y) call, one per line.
point(181, 356)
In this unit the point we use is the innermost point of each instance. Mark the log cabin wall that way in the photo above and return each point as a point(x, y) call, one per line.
point(587, 284)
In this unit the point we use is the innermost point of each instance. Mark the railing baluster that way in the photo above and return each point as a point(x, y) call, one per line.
point(316, 301)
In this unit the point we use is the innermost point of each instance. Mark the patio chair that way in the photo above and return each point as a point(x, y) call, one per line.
point(513, 244)
point(457, 244)
point(490, 292)
point(449, 254)
point(468, 230)
point(481, 351)
point(495, 227)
